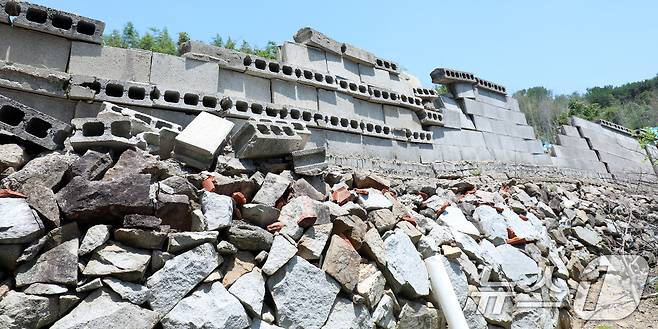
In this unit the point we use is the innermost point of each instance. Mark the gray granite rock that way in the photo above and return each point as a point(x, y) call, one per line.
point(18, 223)
point(341, 261)
point(346, 314)
point(19, 310)
point(132, 292)
point(281, 252)
point(249, 237)
point(405, 270)
point(58, 265)
point(187, 240)
point(115, 259)
point(217, 209)
point(314, 240)
point(250, 290)
point(95, 237)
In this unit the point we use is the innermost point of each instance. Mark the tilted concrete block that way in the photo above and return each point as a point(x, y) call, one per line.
point(310, 162)
point(18, 45)
point(448, 76)
point(109, 62)
point(567, 152)
point(192, 101)
point(289, 93)
point(34, 80)
point(425, 93)
point(570, 131)
point(301, 55)
point(342, 67)
point(102, 134)
point(60, 23)
point(265, 139)
point(462, 90)
point(311, 37)
point(490, 86)
point(61, 109)
point(225, 58)
point(572, 142)
point(269, 69)
point(575, 163)
point(361, 56)
point(116, 91)
point(475, 107)
point(140, 122)
point(31, 125)
point(492, 98)
point(241, 85)
point(381, 78)
point(385, 96)
point(615, 127)
point(199, 143)
point(180, 73)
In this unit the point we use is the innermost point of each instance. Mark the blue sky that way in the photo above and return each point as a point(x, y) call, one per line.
point(563, 45)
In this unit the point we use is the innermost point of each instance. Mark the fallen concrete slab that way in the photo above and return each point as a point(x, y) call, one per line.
point(198, 144)
point(311, 162)
point(265, 139)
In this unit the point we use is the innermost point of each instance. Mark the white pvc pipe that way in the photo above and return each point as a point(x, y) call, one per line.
point(444, 293)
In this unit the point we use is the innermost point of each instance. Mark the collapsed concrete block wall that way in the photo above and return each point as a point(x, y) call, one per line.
point(361, 108)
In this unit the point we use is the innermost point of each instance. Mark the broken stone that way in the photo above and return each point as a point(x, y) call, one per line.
point(105, 309)
point(169, 284)
point(298, 287)
point(587, 236)
point(457, 278)
point(89, 286)
point(217, 209)
point(121, 261)
point(454, 217)
point(18, 224)
point(159, 258)
point(406, 271)
point(9, 255)
point(354, 209)
point(352, 227)
point(302, 187)
point(209, 306)
point(302, 208)
point(47, 170)
point(249, 237)
point(410, 230)
point(374, 200)
point(93, 200)
point(95, 237)
point(58, 265)
point(474, 318)
point(133, 162)
point(522, 229)
point(491, 224)
point(250, 290)
point(341, 261)
point(451, 252)
point(92, 165)
point(470, 247)
point(137, 238)
point(12, 156)
point(370, 180)
point(259, 214)
point(281, 252)
point(188, 240)
point(416, 315)
point(142, 222)
point(383, 314)
point(516, 266)
point(228, 185)
point(272, 190)
point(42, 199)
point(180, 185)
point(313, 241)
point(346, 314)
point(45, 289)
point(226, 248)
point(54, 238)
point(19, 310)
point(371, 284)
point(382, 219)
point(174, 210)
point(242, 263)
point(132, 292)
point(373, 247)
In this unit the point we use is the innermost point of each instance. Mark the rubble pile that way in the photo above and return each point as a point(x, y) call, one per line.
point(111, 236)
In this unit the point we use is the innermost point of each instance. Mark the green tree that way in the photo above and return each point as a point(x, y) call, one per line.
point(441, 89)
point(230, 44)
point(217, 41)
point(183, 37)
point(113, 39)
point(130, 36)
point(163, 43)
point(147, 41)
point(246, 48)
point(270, 50)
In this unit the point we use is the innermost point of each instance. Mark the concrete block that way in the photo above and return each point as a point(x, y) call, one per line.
point(31, 125)
point(462, 90)
point(409, 152)
point(311, 37)
point(262, 67)
point(383, 64)
point(304, 56)
point(450, 153)
point(225, 58)
point(265, 139)
point(430, 118)
point(102, 134)
point(336, 103)
point(371, 111)
point(180, 73)
point(573, 153)
point(570, 131)
point(488, 97)
point(490, 86)
point(474, 107)
point(425, 93)
point(575, 163)
point(116, 91)
point(513, 104)
point(190, 101)
point(375, 129)
point(60, 23)
point(382, 78)
point(337, 143)
point(34, 80)
point(620, 165)
point(140, 122)
point(246, 109)
point(377, 148)
point(310, 162)
point(198, 144)
point(18, 45)
point(58, 108)
point(359, 55)
point(342, 67)
point(110, 62)
point(457, 137)
point(448, 76)
point(398, 117)
point(386, 96)
point(615, 127)
point(352, 88)
point(572, 142)
point(288, 93)
point(236, 84)
point(475, 154)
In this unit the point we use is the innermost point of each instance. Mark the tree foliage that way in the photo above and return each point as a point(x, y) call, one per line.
point(159, 40)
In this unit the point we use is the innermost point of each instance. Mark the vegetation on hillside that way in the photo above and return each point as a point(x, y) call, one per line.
point(633, 105)
point(159, 40)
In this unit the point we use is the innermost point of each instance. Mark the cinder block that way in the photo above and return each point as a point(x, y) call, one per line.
point(178, 73)
point(236, 84)
point(225, 58)
point(304, 56)
point(368, 110)
point(60, 23)
point(116, 91)
point(102, 134)
point(198, 144)
point(310, 162)
point(110, 62)
point(572, 142)
point(384, 79)
point(18, 45)
point(31, 125)
point(140, 122)
point(457, 137)
point(58, 108)
point(448, 76)
point(356, 89)
point(389, 97)
point(34, 80)
point(384, 64)
point(361, 56)
point(190, 101)
point(621, 165)
point(398, 117)
point(336, 103)
point(474, 107)
point(430, 118)
point(269, 69)
point(425, 93)
point(288, 93)
point(311, 37)
point(265, 139)
point(342, 67)
point(490, 86)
